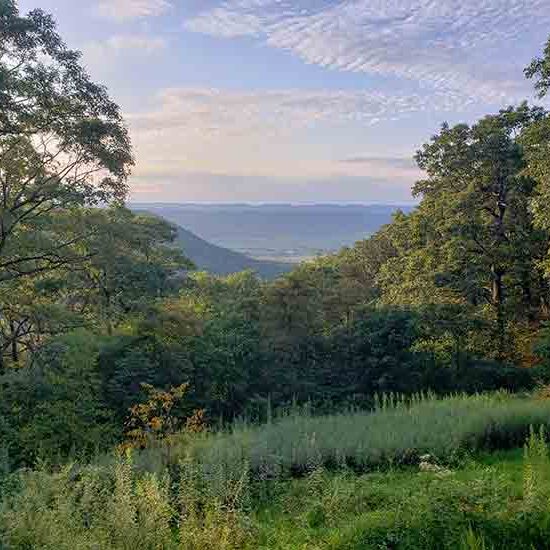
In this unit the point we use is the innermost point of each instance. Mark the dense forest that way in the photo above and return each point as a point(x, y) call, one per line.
point(110, 338)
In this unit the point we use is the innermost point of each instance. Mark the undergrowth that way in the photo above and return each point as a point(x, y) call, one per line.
point(200, 501)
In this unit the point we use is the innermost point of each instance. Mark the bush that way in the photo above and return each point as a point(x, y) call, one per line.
point(203, 505)
point(54, 408)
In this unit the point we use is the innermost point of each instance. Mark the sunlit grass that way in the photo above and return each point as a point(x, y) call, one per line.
point(487, 504)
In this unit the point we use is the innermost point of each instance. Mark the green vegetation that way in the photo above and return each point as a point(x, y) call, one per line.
point(496, 501)
point(398, 434)
point(146, 405)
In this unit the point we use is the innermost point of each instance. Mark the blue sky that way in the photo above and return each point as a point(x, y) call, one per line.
point(297, 100)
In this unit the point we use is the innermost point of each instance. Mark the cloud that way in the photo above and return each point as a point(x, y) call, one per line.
point(132, 9)
point(439, 44)
point(239, 112)
point(120, 48)
point(199, 187)
point(272, 134)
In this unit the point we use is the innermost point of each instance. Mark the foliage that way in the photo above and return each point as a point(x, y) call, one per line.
point(153, 420)
point(539, 68)
point(487, 503)
point(115, 508)
point(55, 408)
point(62, 144)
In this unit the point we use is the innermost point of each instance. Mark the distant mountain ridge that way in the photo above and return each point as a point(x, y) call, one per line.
point(279, 232)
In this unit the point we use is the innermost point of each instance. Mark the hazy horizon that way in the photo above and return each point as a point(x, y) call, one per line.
point(290, 204)
point(278, 231)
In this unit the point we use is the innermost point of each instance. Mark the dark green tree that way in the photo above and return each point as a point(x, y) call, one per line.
point(476, 198)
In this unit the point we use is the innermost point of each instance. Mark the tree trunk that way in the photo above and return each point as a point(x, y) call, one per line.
point(14, 347)
point(498, 302)
point(497, 271)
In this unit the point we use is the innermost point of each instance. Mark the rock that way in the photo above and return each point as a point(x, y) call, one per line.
point(426, 466)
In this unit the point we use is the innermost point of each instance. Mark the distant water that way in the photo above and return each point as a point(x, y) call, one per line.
point(279, 231)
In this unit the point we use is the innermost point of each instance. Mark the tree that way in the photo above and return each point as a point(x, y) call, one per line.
point(33, 310)
point(62, 143)
point(131, 260)
point(476, 197)
point(226, 359)
point(535, 140)
point(539, 69)
point(126, 262)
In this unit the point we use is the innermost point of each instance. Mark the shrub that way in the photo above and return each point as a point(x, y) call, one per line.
point(116, 508)
point(54, 408)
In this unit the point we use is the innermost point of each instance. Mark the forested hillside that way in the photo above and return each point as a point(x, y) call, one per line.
point(127, 376)
point(100, 303)
point(222, 261)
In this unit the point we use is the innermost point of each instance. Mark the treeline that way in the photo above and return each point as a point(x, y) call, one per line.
point(106, 331)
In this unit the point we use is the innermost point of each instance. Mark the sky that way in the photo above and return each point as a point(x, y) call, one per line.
point(297, 100)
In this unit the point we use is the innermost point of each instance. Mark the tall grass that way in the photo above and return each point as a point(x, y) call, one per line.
point(395, 434)
point(118, 508)
point(234, 490)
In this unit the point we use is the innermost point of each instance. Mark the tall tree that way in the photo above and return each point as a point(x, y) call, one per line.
point(535, 140)
point(476, 197)
point(539, 69)
point(62, 142)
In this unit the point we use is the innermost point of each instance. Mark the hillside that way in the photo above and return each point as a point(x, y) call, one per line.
point(222, 261)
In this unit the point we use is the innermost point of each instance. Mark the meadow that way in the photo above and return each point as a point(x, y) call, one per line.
point(397, 432)
point(355, 484)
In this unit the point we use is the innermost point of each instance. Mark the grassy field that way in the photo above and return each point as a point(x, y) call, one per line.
point(478, 498)
point(397, 433)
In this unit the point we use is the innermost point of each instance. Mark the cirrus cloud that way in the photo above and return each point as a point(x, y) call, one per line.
point(234, 112)
point(132, 9)
point(122, 48)
point(440, 44)
point(273, 133)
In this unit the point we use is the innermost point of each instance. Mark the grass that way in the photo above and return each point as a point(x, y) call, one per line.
point(398, 433)
point(359, 486)
point(490, 503)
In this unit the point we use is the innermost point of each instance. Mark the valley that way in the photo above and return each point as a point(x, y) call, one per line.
point(278, 232)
